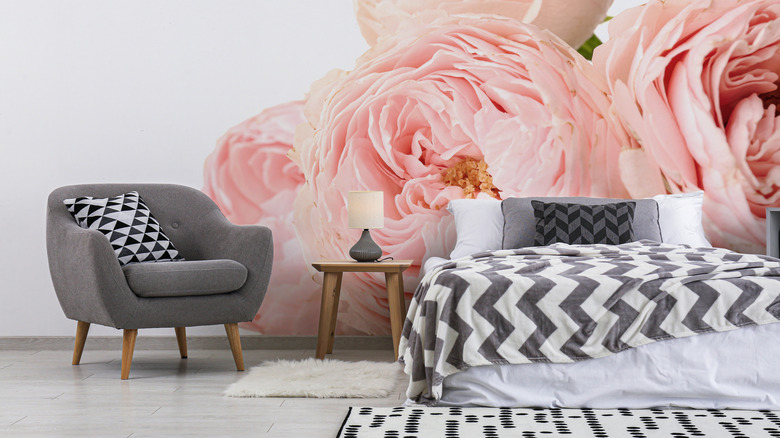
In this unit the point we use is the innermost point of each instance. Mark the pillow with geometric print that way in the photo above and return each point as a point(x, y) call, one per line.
point(578, 224)
point(135, 235)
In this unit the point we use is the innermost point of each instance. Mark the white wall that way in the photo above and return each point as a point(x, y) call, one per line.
point(136, 91)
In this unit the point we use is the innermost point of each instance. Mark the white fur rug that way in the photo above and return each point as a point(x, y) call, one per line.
point(316, 378)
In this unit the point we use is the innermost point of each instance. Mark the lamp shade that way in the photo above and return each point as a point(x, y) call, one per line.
point(365, 210)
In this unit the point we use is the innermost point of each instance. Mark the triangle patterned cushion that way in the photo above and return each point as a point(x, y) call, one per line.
point(127, 222)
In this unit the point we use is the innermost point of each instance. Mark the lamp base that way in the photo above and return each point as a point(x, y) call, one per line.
point(365, 250)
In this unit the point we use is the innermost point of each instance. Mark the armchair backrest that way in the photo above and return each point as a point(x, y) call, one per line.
point(183, 212)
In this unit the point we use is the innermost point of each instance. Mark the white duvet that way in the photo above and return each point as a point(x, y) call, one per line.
point(739, 369)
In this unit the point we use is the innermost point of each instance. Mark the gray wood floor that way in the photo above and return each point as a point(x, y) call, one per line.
point(42, 394)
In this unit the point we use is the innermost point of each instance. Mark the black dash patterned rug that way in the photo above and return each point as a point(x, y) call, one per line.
point(424, 422)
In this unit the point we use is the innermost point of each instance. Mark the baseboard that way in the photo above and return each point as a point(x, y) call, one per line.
point(265, 342)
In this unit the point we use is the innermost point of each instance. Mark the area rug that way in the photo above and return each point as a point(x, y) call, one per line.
point(424, 422)
point(318, 379)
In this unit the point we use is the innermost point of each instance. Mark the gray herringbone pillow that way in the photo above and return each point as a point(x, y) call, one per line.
point(610, 224)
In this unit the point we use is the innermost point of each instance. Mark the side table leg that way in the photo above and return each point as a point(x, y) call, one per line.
point(395, 300)
point(328, 310)
point(334, 314)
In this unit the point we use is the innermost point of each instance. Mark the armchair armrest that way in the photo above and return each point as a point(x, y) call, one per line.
point(87, 278)
point(251, 245)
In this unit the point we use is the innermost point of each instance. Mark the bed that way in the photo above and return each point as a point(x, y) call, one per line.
point(660, 319)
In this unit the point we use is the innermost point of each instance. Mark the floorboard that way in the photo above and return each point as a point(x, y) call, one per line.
point(44, 395)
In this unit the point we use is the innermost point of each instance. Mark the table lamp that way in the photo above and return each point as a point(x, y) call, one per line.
point(365, 211)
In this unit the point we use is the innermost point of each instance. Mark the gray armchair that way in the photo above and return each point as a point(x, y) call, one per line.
point(208, 288)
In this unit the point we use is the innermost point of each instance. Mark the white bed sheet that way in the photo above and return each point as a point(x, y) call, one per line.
point(739, 369)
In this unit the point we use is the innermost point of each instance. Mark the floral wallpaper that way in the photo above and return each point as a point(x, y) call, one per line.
point(490, 98)
point(696, 85)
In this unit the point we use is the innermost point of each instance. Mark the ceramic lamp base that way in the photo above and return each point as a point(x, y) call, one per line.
point(365, 250)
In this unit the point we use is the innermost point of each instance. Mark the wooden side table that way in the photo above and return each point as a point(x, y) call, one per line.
point(331, 288)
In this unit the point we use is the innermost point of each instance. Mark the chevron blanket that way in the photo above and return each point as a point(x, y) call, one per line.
point(565, 303)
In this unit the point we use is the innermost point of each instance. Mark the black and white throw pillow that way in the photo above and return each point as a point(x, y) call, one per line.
point(126, 221)
point(610, 224)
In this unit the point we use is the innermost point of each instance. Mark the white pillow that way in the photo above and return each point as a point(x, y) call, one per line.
point(680, 219)
point(479, 225)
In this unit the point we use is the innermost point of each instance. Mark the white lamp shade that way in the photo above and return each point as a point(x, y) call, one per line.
point(365, 210)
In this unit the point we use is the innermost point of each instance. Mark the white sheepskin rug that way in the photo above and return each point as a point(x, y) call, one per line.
point(316, 378)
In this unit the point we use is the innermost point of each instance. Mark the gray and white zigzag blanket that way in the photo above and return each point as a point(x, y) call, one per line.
point(564, 303)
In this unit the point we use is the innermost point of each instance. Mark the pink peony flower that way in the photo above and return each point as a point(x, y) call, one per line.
point(253, 181)
point(459, 107)
point(696, 83)
point(572, 21)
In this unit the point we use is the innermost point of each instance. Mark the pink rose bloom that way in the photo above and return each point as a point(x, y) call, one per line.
point(461, 107)
point(572, 21)
point(253, 181)
point(696, 83)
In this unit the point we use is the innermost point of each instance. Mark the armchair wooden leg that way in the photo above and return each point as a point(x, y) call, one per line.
point(128, 345)
point(81, 337)
point(235, 345)
point(181, 338)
